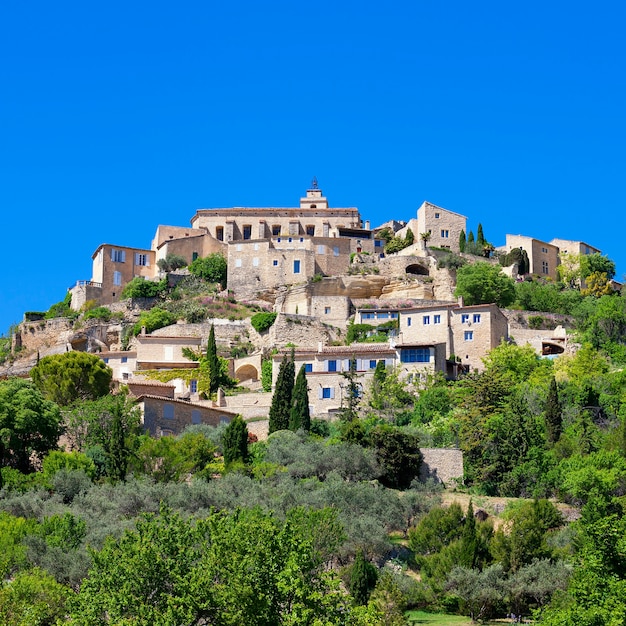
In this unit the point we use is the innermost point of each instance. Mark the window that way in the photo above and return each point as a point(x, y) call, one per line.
point(124, 359)
point(247, 231)
point(436, 319)
point(255, 261)
point(445, 234)
point(383, 315)
point(336, 251)
point(393, 316)
point(219, 233)
point(118, 256)
point(106, 359)
point(544, 250)
point(321, 249)
point(368, 316)
point(117, 278)
point(426, 320)
point(436, 216)
point(168, 411)
point(301, 239)
point(326, 310)
point(125, 376)
point(327, 393)
point(193, 385)
point(310, 230)
point(476, 318)
point(296, 266)
point(194, 256)
point(408, 321)
point(378, 243)
point(275, 262)
point(290, 239)
point(141, 259)
point(372, 364)
point(276, 230)
point(415, 355)
point(195, 417)
point(308, 368)
point(332, 365)
point(237, 262)
point(238, 247)
point(464, 318)
point(544, 267)
point(168, 353)
point(256, 246)
point(468, 335)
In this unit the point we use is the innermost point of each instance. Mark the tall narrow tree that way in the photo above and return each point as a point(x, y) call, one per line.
point(213, 362)
point(280, 408)
point(300, 417)
point(480, 237)
point(235, 442)
point(554, 414)
point(462, 241)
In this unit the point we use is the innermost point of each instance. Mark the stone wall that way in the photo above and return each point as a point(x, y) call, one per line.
point(442, 465)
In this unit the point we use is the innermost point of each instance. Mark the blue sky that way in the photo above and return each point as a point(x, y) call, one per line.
point(117, 117)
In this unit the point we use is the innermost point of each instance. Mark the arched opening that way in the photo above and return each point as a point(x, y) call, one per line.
point(416, 269)
point(247, 372)
point(549, 348)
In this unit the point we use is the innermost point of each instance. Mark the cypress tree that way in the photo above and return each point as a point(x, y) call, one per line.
point(480, 237)
point(118, 452)
point(469, 539)
point(280, 408)
point(363, 577)
point(470, 237)
point(462, 241)
point(235, 442)
point(213, 362)
point(300, 416)
point(554, 414)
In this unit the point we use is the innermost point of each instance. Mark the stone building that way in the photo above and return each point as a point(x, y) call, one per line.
point(444, 226)
point(543, 257)
point(456, 333)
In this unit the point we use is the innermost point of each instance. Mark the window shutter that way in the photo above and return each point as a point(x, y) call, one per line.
point(332, 392)
point(320, 393)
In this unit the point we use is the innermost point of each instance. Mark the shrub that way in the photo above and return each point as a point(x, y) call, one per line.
point(262, 321)
point(154, 319)
point(535, 321)
point(211, 268)
point(139, 287)
point(99, 313)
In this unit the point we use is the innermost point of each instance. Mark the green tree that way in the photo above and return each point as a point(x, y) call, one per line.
point(153, 319)
point(262, 321)
point(139, 287)
point(462, 241)
point(212, 268)
point(469, 539)
point(480, 237)
point(300, 417)
point(65, 378)
point(30, 424)
point(266, 374)
point(171, 262)
point(235, 442)
point(596, 263)
point(363, 578)
point(554, 413)
point(351, 393)
point(398, 453)
point(212, 362)
point(483, 283)
point(481, 592)
point(280, 408)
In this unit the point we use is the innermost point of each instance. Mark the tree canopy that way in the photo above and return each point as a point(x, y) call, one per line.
point(484, 283)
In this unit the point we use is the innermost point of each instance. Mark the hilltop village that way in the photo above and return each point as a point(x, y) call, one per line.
point(321, 270)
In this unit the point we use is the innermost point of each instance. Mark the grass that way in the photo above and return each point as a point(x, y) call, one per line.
point(418, 618)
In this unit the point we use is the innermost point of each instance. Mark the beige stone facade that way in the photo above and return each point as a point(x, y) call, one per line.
point(167, 416)
point(466, 332)
point(543, 257)
point(165, 352)
point(444, 226)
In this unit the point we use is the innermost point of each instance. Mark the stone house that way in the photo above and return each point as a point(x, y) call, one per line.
point(543, 257)
point(169, 416)
point(567, 246)
point(324, 367)
point(452, 332)
point(444, 226)
point(122, 363)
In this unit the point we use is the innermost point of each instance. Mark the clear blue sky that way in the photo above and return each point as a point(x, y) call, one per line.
point(120, 116)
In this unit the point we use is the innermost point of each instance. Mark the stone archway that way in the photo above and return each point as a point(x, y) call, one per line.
point(416, 269)
point(247, 372)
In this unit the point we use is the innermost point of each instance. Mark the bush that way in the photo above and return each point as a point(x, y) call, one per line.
point(212, 268)
point(171, 262)
point(154, 319)
point(99, 313)
point(139, 287)
point(262, 321)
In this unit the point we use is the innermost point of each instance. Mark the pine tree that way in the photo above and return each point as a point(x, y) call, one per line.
point(554, 414)
point(235, 442)
point(300, 417)
point(213, 362)
point(462, 241)
point(480, 237)
point(363, 577)
point(280, 408)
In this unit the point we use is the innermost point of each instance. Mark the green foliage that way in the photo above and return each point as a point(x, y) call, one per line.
point(212, 362)
point(358, 332)
point(451, 261)
point(395, 244)
point(536, 295)
point(98, 313)
point(235, 442)
point(12, 551)
point(61, 309)
point(171, 262)
point(263, 321)
point(153, 319)
point(139, 287)
point(58, 460)
point(299, 417)
point(462, 241)
point(554, 413)
point(597, 263)
point(266, 374)
point(30, 425)
point(483, 283)
point(177, 571)
point(212, 268)
point(280, 409)
point(65, 378)
point(362, 579)
point(398, 453)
